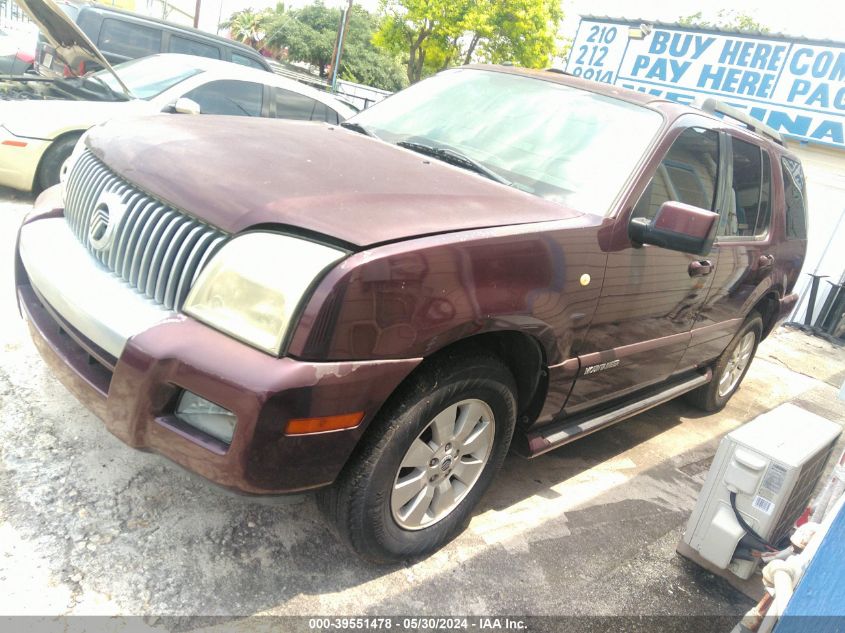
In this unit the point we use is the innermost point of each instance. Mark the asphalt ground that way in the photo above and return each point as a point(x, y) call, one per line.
point(89, 526)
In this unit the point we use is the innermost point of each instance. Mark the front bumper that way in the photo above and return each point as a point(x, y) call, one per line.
point(19, 159)
point(135, 390)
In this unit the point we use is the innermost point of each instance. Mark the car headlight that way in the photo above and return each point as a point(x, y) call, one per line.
point(252, 287)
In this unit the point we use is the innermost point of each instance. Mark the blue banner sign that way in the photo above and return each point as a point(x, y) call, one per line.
point(796, 87)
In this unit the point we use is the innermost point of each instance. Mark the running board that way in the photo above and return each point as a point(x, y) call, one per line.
point(556, 435)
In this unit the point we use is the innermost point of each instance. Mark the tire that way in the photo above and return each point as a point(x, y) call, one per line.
point(53, 159)
point(368, 516)
point(715, 395)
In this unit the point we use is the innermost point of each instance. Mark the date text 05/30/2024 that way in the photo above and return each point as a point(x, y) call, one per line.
point(480, 623)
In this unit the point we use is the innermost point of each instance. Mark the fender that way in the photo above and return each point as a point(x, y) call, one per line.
point(412, 298)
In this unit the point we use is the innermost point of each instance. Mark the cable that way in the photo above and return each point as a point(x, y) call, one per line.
point(748, 529)
point(744, 554)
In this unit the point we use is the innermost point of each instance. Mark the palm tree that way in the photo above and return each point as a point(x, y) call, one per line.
point(247, 26)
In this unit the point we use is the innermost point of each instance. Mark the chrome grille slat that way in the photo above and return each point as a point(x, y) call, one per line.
point(156, 216)
point(117, 251)
point(157, 261)
point(146, 247)
point(87, 203)
point(75, 189)
point(156, 249)
point(133, 238)
point(204, 245)
point(167, 270)
point(205, 256)
point(180, 259)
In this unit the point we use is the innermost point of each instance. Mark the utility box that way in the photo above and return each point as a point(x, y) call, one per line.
point(772, 464)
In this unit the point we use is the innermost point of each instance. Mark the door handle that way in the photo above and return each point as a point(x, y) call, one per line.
point(765, 261)
point(700, 268)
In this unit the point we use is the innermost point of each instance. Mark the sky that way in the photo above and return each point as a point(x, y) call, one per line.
point(822, 19)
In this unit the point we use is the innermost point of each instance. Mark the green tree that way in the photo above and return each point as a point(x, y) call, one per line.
point(725, 19)
point(523, 31)
point(309, 35)
point(434, 34)
point(363, 62)
point(247, 26)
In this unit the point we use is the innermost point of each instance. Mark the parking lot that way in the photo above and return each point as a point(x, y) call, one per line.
point(90, 526)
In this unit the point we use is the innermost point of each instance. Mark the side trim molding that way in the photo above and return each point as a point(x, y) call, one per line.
point(555, 435)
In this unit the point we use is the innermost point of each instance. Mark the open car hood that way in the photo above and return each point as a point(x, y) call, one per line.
point(66, 37)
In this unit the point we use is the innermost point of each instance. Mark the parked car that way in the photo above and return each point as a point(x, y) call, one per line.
point(492, 257)
point(122, 35)
point(17, 52)
point(39, 132)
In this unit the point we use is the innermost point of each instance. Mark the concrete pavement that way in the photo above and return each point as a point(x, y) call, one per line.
point(90, 526)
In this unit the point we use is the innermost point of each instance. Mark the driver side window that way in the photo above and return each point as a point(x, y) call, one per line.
point(688, 173)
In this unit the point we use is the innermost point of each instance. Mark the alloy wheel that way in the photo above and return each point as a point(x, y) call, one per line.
point(737, 363)
point(442, 464)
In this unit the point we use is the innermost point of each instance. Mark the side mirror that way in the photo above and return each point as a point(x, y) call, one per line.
point(676, 226)
point(184, 105)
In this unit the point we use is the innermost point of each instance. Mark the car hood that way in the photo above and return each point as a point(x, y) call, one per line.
point(235, 173)
point(65, 36)
point(47, 119)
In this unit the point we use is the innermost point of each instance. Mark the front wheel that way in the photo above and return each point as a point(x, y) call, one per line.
point(730, 368)
point(426, 460)
point(51, 163)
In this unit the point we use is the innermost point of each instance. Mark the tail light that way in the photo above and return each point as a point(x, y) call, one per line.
point(26, 58)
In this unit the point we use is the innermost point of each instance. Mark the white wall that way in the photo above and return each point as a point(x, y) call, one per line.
point(825, 171)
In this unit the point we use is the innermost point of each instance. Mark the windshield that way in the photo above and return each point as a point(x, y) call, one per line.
point(561, 143)
point(147, 77)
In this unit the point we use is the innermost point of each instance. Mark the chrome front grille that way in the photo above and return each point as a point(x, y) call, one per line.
point(150, 245)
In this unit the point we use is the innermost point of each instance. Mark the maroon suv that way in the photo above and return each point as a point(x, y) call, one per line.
point(493, 257)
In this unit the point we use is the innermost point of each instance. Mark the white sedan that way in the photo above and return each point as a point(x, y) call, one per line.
point(40, 121)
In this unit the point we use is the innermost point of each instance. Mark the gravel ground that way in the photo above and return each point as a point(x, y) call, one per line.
point(89, 526)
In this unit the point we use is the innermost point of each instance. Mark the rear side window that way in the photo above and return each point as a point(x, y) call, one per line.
point(188, 46)
point(795, 193)
point(128, 40)
point(322, 112)
point(748, 211)
point(229, 96)
point(688, 174)
point(292, 105)
point(243, 60)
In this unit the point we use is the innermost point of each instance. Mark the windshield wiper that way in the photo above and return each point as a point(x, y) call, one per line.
point(454, 157)
point(357, 127)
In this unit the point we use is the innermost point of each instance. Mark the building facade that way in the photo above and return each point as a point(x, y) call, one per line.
point(796, 86)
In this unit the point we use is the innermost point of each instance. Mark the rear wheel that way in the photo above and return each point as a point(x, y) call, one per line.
point(53, 159)
point(730, 368)
point(426, 460)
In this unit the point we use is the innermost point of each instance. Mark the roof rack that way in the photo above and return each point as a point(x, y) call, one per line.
point(714, 106)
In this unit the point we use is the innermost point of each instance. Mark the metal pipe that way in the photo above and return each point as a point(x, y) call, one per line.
point(336, 61)
point(752, 620)
point(811, 304)
point(341, 38)
point(784, 575)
